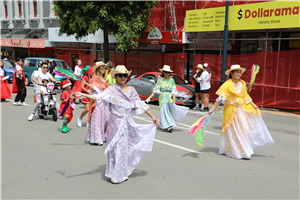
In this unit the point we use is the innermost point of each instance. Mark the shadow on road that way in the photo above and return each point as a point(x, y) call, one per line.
point(193, 155)
point(210, 149)
point(101, 170)
point(218, 127)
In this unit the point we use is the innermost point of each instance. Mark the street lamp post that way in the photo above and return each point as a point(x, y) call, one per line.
point(225, 38)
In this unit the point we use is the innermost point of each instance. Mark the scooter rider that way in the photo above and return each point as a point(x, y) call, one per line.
point(37, 78)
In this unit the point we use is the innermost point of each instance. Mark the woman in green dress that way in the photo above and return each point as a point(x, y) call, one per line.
point(170, 113)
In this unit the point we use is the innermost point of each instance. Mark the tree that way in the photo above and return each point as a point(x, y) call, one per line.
point(126, 20)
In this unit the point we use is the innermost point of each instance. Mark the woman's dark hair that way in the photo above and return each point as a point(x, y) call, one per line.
point(18, 59)
point(207, 69)
point(230, 76)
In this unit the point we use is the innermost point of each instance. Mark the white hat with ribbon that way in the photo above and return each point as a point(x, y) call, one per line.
point(166, 68)
point(235, 67)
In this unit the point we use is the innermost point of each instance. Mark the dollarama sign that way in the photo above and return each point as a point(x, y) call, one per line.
point(268, 15)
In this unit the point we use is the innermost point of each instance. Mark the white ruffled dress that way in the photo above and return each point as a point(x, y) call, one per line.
point(245, 133)
point(127, 142)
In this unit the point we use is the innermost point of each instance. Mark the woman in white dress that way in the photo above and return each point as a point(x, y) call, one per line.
point(127, 142)
point(243, 128)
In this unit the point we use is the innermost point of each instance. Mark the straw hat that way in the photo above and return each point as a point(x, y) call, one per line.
point(235, 67)
point(166, 68)
point(200, 66)
point(120, 69)
point(98, 64)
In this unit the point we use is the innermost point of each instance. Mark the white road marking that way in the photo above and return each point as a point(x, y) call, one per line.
point(186, 126)
point(200, 113)
point(176, 146)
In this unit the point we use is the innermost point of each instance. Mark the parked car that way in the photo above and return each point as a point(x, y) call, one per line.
point(145, 83)
point(31, 64)
point(9, 67)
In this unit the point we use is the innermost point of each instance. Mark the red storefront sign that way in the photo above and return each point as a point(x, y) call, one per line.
point(177, 46)
point(155, 37)
point(47, 50)
point(23, 43)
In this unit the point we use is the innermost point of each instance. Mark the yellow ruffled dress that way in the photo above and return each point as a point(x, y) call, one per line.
point(243, 128)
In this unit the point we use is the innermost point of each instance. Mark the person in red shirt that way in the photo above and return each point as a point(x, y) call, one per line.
point(86, 74)
point(4, 85)
point(66, 94)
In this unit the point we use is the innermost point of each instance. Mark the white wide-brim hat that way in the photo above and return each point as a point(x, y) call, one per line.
point(120, 69)
point(235, 67)
point(166, 68)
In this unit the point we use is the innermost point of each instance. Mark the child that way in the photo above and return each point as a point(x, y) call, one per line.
point(45, 93)
point(68, 113)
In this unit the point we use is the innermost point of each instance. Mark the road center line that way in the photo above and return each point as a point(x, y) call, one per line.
point(176, 146)
point(147, 120)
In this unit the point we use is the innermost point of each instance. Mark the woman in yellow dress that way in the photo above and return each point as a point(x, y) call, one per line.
point(243, 128)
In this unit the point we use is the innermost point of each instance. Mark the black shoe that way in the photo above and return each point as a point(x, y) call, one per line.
point(170, 129)
point(205, 110)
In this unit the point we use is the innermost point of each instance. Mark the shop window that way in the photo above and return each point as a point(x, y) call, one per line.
point(34, 8)
point(54, 12)
point(5, 7)
point(20, 9)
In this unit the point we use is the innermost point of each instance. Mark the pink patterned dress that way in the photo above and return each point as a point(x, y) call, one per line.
point(99, 117)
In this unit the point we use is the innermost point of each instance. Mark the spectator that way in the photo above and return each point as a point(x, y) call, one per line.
point(204, 81)
point(19, 83)
point(47, 61)
point(109, 67)
point(197, 87)
point(51, 68)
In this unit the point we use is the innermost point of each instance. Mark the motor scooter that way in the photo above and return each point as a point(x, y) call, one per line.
point(52, 111)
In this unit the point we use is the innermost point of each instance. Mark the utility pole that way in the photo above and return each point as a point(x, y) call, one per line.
point(106, 47)
point(225, 39)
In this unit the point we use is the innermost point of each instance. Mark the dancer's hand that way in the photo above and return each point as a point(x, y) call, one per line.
point(174, 101)
point(155, 122)
point(147, 100)
point(210, 112)
point(78, 94)
point(255, 106)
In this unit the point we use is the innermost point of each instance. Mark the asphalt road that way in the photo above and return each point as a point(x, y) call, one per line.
point(40, 162)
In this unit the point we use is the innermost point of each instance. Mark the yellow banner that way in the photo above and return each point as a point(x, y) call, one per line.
point(211, 19)
point(294, 43)
point(268, 15)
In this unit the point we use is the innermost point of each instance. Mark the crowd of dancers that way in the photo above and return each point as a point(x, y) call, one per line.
point(110, 105)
